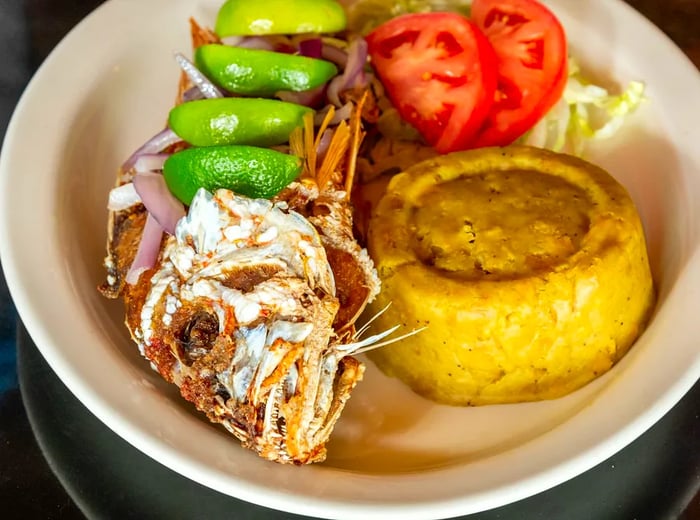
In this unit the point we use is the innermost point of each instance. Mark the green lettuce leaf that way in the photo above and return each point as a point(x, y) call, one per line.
point(585, 113)
point(366, 15)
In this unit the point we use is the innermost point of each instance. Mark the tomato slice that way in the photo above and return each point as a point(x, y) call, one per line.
point(531, 48)
point(439, 72)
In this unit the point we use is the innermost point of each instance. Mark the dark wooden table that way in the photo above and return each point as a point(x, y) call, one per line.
point(679, 19)
point(657, 477)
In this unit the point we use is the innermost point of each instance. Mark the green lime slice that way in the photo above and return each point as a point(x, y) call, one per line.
point(255, 72)
point(248, 17)
point(247, 170)
point(251, 121)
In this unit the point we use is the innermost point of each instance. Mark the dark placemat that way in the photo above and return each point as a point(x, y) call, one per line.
point(654, 478)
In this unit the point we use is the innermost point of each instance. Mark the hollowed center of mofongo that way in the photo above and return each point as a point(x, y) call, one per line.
point(528, 270)
point(494, 225)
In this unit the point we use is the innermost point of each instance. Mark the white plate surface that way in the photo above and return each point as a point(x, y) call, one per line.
point(108, 86)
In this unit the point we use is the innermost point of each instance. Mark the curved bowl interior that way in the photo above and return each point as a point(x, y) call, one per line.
point(393, 454)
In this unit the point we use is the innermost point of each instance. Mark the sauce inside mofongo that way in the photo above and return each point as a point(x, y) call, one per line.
point(500, 224)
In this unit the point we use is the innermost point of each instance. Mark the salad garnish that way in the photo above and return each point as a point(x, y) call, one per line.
point(439, 72)
point(439, 77)
point(542, 96)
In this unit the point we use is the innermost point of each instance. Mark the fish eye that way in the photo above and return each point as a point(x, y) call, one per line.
point(198, 336)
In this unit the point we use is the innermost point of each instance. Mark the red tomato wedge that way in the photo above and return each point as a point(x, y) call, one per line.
point(439, 72)
point(531, 48)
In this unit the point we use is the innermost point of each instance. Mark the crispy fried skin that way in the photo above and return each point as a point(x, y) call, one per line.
point(125, 233)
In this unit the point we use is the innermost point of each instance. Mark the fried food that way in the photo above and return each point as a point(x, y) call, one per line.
point(250, 311)
point(251, 305)
point(528, 269)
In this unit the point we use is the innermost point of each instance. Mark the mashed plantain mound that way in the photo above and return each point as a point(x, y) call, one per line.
point(528, 269)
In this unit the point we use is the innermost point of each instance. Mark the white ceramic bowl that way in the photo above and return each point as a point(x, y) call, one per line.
point(108, 86)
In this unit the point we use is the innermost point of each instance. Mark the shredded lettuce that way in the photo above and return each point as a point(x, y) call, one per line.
point(586, 112)
point(366, 15)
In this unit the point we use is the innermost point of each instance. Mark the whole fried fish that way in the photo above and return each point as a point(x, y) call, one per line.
point(250, 305)
point(242, 312)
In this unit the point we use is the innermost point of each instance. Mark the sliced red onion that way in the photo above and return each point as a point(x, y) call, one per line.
point(341, 114)
point(158, 199)
point(123, 197)
point(209, 90)
point(257, 43)
point(334, 88)
point(192, 94)
point(323, 144)
point(155, 144)
point(311, 48)
point(354, 73)
point(334, 54)
point(308, 98)
point(357, 59)
point(150, 162)
point(272, 42)
point(148, 251)
point(232, 41)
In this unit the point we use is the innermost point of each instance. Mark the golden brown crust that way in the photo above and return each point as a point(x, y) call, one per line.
point(351, 287)
point(134, 296)
point(538, 283)
point(124, 236)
